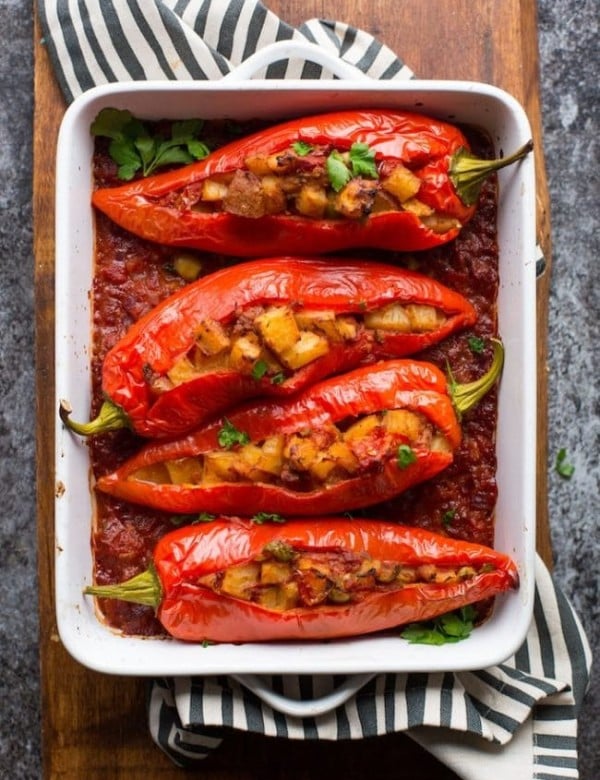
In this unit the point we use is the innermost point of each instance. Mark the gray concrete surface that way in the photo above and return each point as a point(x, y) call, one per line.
point(568, 36)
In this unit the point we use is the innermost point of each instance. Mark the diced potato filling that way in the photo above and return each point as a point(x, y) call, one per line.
point(274, 341)
point(307, 459)
point(298, 183)
point(283, 578)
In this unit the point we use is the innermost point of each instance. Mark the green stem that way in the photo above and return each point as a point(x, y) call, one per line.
point(110, 418)
point(468, 173)
point(144, 588)
point(466, 396)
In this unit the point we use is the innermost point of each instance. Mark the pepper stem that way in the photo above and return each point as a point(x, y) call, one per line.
point(466, 396)
point(144, 588)
point(468, 173)
point(110, 418)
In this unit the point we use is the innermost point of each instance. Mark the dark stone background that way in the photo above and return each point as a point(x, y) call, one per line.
point(568, 38)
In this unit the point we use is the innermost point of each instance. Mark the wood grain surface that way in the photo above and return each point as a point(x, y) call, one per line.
point(94, 725)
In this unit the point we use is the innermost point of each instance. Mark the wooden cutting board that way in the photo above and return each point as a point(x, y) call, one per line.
point(93, 725)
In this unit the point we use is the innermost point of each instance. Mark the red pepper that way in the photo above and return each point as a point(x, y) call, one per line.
point(186, 583)
point(347, 289)
point(238, 464)
point(168, 208)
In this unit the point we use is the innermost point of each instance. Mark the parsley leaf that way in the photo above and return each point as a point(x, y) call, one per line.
point(563, 467)
point(203, 517)
point(476, 344)
point(259, 369)
point(267, 517)
point(229, 435)
point(448, 517)
point(278, 379)
point(362, 161)
point(406, 456)
point(134, 148)
point(448, 628)
point(302, 148)
point(337, 170)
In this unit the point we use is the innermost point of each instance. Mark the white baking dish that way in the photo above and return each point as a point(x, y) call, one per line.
point(100, 648)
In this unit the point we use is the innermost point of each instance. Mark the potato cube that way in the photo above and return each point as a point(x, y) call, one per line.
point(156, 472)
point(258, 164)
point(309, 347)
point(245, 351)
point(401, 183)
point(401, 422)
point(274, 199)
point(389, 318)
point(311, 201)
point(440, 223)
point(278, 329)
point(424, 318)
point(275, 572)
point(211, 337)
point(185, 471)
point(417, 207)
point(183, 370)
point(271, 458)
point(220, 467)
point(343, 456)
point(238, 581)
point(213, 190)
point(188, 266)
point(362, 428)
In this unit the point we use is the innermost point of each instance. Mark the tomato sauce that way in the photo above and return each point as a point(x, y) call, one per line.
point(133, 275)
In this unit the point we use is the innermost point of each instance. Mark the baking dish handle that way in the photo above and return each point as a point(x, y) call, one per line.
point(300, 50)
point(303, 708)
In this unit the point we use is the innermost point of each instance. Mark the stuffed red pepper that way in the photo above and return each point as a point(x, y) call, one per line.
point(266, 328)
point(348, 442)
point(385, 179)
point(232, 581)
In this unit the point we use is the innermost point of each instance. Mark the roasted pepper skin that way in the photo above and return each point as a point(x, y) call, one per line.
point(193, 613)
point(423, 144)
point(168, 331)
point(410, 384)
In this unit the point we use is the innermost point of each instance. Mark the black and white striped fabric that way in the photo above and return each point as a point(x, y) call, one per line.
point(95, 42)
point(518, 717)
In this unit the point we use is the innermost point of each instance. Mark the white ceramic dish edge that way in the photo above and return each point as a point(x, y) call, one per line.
point(97, 647)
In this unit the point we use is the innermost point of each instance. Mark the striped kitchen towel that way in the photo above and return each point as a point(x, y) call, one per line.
point(518, 717)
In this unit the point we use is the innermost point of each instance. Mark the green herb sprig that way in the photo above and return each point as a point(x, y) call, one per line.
point(136, 149)
point(228, 435)
point(445, 629)
point(360, 161)
point(267, 517)
point(562, 465)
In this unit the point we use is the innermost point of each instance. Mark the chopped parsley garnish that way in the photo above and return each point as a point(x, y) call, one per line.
point(267, 517)
point(562, 465)
point(203, 517)
point(451, 627)
point(360, 161)
point(302, 148)
point(278, 379)
point(229, 435)
point(259, 369)
point(337, 170)
point(476, 344)
point(136, 149)
point(448, 517)
point(406, 456)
